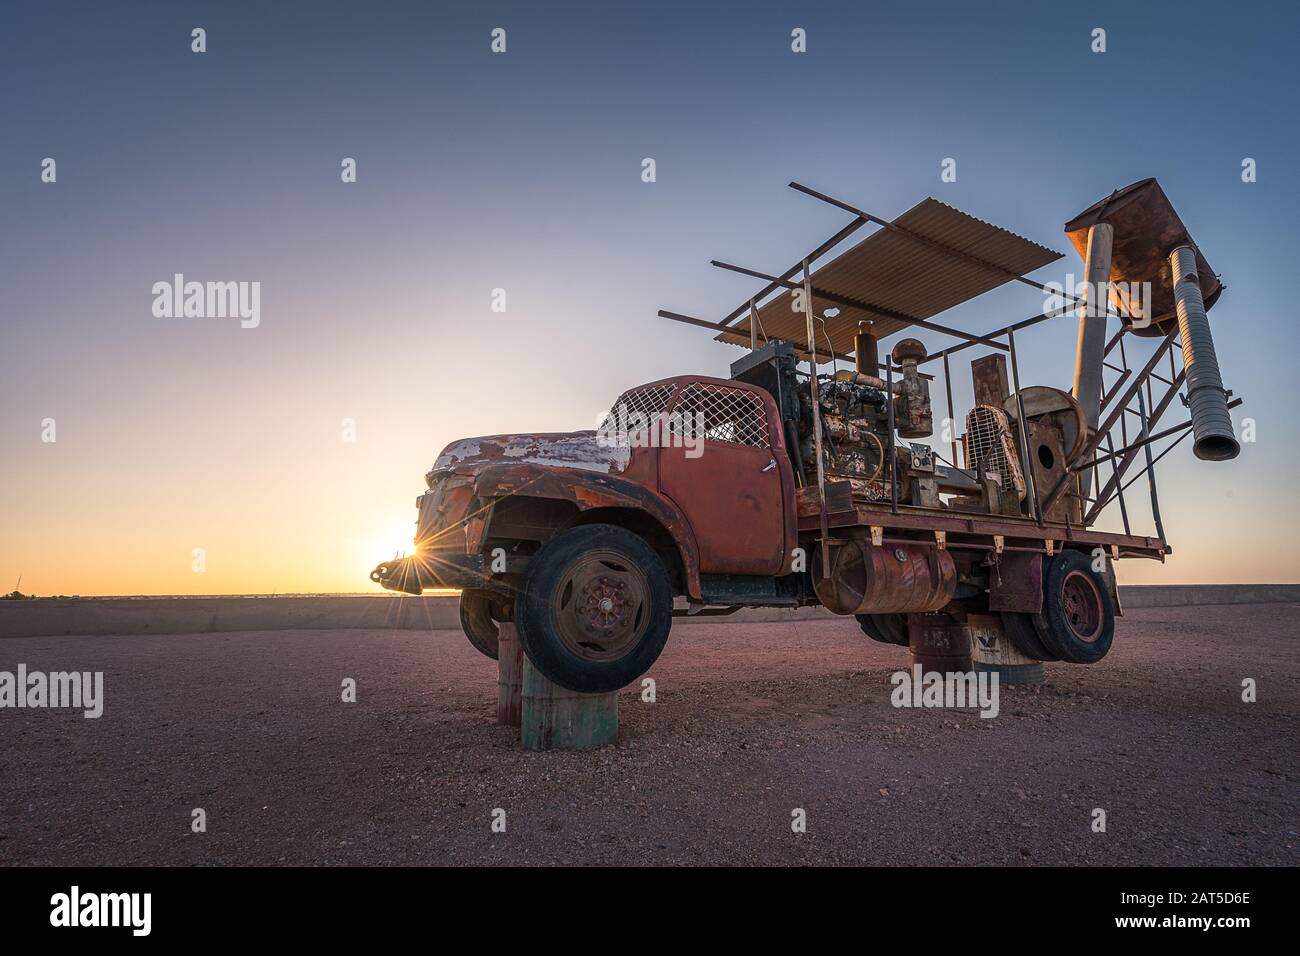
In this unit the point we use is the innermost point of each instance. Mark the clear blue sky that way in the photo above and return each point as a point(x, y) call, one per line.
point(522, 171)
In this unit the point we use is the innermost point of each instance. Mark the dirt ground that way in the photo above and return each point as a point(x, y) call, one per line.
point(751, 722)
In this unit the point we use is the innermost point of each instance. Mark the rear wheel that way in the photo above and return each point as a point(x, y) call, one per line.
point(884, 628)
point(1023, 633)
point(594, 609)
point(1077, 622)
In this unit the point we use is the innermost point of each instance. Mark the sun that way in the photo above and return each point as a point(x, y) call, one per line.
point(393, 542)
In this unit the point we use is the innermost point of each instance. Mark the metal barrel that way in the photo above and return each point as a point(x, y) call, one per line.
point(938, 643)
point(1214, 438)
point(888, 579)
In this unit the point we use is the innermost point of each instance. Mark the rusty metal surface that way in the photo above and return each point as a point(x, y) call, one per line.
point(1017, 585)
point(576, 450)
point(984, 527)
point(989, 379)
point(893, 579)
point(588, 490)
point(738, 496)
point(1147, 229)
point(895, 272)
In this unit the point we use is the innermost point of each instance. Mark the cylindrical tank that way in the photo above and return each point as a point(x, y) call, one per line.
point(939, 643)
point(1214, 438)
point(866, 354)
point(887, 579)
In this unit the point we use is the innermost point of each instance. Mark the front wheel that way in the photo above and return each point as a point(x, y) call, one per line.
point(477, 622)
point(594, 609)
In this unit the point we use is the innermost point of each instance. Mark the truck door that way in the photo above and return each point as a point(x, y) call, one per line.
point(728, 481)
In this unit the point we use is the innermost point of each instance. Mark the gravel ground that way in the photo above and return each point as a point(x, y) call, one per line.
point(751, 721)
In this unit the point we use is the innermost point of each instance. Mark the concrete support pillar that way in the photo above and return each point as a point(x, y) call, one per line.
point(510, 675)
point(992, 652)
point(1092, 332)
point(556, 718)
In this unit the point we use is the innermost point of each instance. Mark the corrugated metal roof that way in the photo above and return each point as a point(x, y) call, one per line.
point(893, 271)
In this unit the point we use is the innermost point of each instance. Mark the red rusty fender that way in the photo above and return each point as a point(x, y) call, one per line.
point(450, 503)
point(1017, 583)
point(591, 489)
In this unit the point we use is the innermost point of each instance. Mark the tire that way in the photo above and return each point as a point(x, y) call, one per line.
point(594, 609)
point(1022, 631)
point(1077, 622)
point(477, 623)
point(884, 628)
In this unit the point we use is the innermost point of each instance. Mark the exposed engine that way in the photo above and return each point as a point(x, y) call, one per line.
point(855, 414)
point(855, 435)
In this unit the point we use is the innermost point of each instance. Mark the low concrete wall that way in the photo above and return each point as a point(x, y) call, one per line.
point(185, 615)
point(197, 615)
point(1184, 595)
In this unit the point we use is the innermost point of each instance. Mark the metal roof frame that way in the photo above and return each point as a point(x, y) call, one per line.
point(734, 332)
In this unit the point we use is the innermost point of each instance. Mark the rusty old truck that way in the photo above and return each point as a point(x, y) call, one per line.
point(804, 477)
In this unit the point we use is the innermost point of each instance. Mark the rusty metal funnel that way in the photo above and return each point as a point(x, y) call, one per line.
point(1147, 230)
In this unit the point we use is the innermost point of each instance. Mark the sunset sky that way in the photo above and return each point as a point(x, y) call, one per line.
point(522, 171)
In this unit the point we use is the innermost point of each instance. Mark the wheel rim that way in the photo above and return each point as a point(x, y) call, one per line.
point(1081, 599)
point(600, 606)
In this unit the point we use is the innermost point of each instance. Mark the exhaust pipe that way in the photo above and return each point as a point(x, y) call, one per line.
point(1214, 438)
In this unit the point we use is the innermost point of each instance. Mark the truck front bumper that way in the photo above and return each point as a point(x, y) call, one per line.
point(432, 569)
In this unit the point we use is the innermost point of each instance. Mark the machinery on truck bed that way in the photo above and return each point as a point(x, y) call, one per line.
point(789, 485)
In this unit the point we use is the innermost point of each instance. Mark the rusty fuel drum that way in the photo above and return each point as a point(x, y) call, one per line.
point(939, 643)
point(886, 579)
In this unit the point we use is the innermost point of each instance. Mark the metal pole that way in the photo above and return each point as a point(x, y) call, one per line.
point(813, 256)
point(1123, 506)
point(817, 420)
point(1130, 453)
point(893, 455)
point(1151, 472)
point(1092, 332)
point(1095, 439)
point(854, 303)
point(947, 384)
point(1035, 509)
point(753, 327)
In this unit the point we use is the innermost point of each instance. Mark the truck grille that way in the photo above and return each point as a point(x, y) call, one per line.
point(990, 448)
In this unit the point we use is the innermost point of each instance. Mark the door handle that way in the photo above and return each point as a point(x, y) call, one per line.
point(768, 467)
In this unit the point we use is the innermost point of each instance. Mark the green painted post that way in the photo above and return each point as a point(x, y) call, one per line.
point(555, 718)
